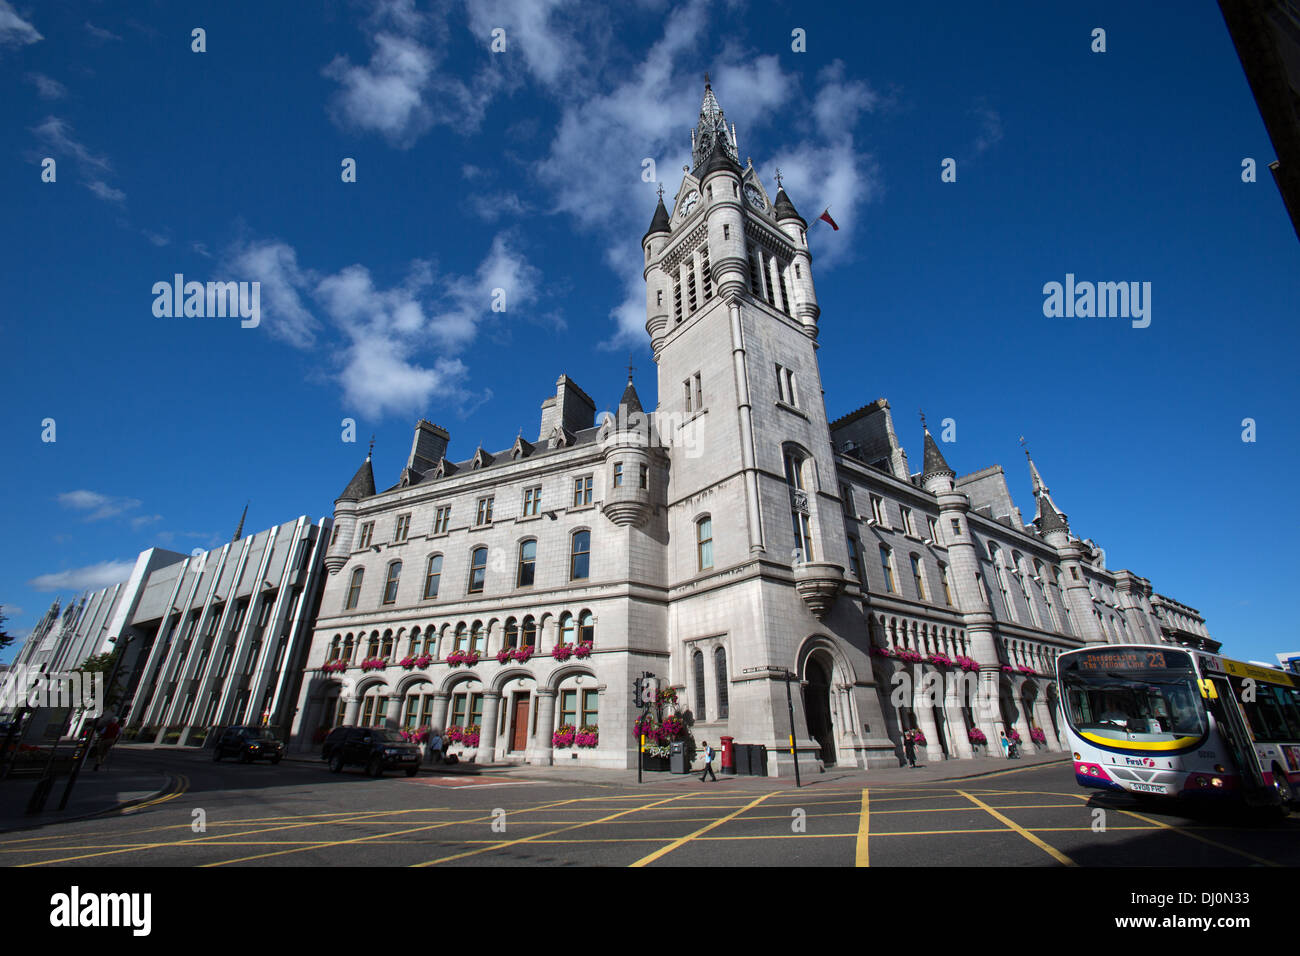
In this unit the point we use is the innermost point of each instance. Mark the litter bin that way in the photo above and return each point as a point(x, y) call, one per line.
point(677, 757)
point(758, 760)
point(740, 754)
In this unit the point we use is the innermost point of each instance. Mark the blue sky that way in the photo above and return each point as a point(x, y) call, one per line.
point(522, 170)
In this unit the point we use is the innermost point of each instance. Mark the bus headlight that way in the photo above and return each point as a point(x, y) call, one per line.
point(1220, 768)
point(1076, 756)
point(1216, 782)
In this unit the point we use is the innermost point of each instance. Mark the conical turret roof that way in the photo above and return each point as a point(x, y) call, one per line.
point(934, 463)
point(661, 221)
point(630, 402)
point(362, 484)
point(784, 208)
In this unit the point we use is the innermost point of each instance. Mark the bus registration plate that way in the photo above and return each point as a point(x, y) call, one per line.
point(1149, 788)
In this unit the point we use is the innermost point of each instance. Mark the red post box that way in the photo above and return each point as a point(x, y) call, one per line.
point(728, 756)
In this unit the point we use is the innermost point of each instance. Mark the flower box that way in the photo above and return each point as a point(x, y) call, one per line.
point(582, 650)
point(976, 736)
point(424, 660)
point(1037, 736)
point(374, 664)
point(335, 666)
point(562, 652)
point(939, 660)
point(654, 764)
point(407, 662)
point(967, 663)
point(453, 734)
point(564, 736)
point(908, 655)
point(504, 655)
point(470, 738)
point(522, 654)
point(587, 737)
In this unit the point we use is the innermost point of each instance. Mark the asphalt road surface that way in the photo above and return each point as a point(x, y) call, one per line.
point(300, 815)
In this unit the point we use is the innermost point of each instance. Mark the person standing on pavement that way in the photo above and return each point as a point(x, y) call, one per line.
point(435, 747)
point(109, 729)
point(909, 748)
point(708, 762)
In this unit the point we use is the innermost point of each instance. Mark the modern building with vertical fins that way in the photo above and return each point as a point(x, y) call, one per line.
point(217, 637)
point(730, 536)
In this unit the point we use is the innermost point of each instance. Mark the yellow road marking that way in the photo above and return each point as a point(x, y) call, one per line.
point(1045, 847)
point(862, 858)
point(531, 839)
point(664, 851)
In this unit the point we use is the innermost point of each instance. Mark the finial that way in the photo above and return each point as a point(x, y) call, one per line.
point(661, 192)
point(923, 425)
point(1025, 446)
point(371, 450)
point(749, 161)
point(778, 179)
point(706, 80)
point(630, 368)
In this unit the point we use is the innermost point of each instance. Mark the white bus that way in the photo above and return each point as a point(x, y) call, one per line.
point(1172, 722)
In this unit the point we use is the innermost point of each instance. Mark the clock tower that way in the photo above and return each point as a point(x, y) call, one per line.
point(754, 514)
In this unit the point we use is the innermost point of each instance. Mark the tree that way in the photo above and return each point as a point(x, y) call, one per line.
point(103, 664)
point(5, 638)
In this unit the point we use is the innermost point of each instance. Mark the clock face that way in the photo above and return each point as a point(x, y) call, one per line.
point(755, 196)
point(691, 199)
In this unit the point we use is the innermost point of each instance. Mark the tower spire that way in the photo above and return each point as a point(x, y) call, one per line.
point(239, 531)
point(1047, 517)
point(933, 462)
point(712, 142)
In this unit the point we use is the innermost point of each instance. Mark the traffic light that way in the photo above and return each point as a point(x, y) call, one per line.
point(638, 694)
point(647, 691)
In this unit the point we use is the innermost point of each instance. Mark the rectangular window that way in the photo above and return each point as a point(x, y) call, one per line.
point(390, 586)
point(484, 511)
point(335, 536)
point(403, 528)
point(476, 709)
point(367, 532)
point(582, 491)
point(846, 500)
point(706, 272)
point(888, 568)
point(580, 558)
point(947, 590)
point(532, 501)
point(590, 708)
point(878, 509)
point(855, 559)
point(704, 539)
point(677, 298)
point(699, 391)
point(645, 476)
point(906, 515)
point(618, 474)
point(432, 577)
point(917, 578)
point(441, 519)
point(686, 390)
point(568, 706)
point(458, 710)
point(956, 528)
point(933, 526)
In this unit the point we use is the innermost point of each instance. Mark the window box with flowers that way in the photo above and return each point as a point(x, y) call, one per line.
point(470, 738)
point(884, 651)
point(562, 652)
point(504, 655)
point(334, 667)
point(418, 736)
point(978, 740)
point(587, 736)
point(407, 662)
point(660, 728)
point(1027, 671)
point(374, 664)
point(908, 656)
point(563, 736)
point(453, 734)
point(1037, 736)
point(939, 660)
point(424, 660)
point(582, 650)
point(967, 663)
point(523, 654)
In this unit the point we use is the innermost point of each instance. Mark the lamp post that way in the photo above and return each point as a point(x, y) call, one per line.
point(90, 737)
point(787, 676)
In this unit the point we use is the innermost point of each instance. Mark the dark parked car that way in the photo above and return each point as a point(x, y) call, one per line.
point(248, 744)
point(376, 750)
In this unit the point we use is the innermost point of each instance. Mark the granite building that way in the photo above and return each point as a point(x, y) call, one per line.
point(730, 535)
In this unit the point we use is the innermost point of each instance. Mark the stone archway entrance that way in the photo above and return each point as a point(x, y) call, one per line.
point(817, 705)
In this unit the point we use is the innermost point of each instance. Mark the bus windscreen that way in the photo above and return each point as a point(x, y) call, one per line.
point(1133, 695)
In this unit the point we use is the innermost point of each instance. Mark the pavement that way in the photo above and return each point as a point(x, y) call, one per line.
point(96, 792)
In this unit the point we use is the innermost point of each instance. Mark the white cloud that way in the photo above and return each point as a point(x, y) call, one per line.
point(839, 102)
point(275, 265)
point(90, 578)
point(46, 87)
point(99, 33)
point(542, 32)
point(14, 30)
point(140, 521)
point(57, 134)
point(837, 175)
point(100, 506)
point(105, 191)
point(990, 126)
point(492, 206)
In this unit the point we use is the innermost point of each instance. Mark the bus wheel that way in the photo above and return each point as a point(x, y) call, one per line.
point(1283, 787)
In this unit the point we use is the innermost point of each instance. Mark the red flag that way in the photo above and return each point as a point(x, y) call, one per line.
point(826, 216)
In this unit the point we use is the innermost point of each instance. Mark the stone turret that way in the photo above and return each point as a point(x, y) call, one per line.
point(626, 441)
point(360, 487)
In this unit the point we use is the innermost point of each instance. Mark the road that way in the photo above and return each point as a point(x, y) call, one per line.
point(300, 815)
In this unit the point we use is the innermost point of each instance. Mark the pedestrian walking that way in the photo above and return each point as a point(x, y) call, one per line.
point(109, 730)
point(435, 748)
point(909, 748)
point(1006, 744)
point(708, 762)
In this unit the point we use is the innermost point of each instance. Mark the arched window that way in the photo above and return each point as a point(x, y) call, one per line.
point(567, 628)
point(432, 577)
point(528, 633)
point(800, 519)
point(477, 639)
point(697, 660)
point(335, 645)
point(347, 648)
point(386, 649)
point(947, 587)
point(461, 635)
point(390, 586)
point(477, 570)
point(374, 644)
point(586, 628)
point(580, 559)
point(354, 589)
point(512, 632)
point(415, 642)
point(527, 563)
point(720, 677)
point(704, 542)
